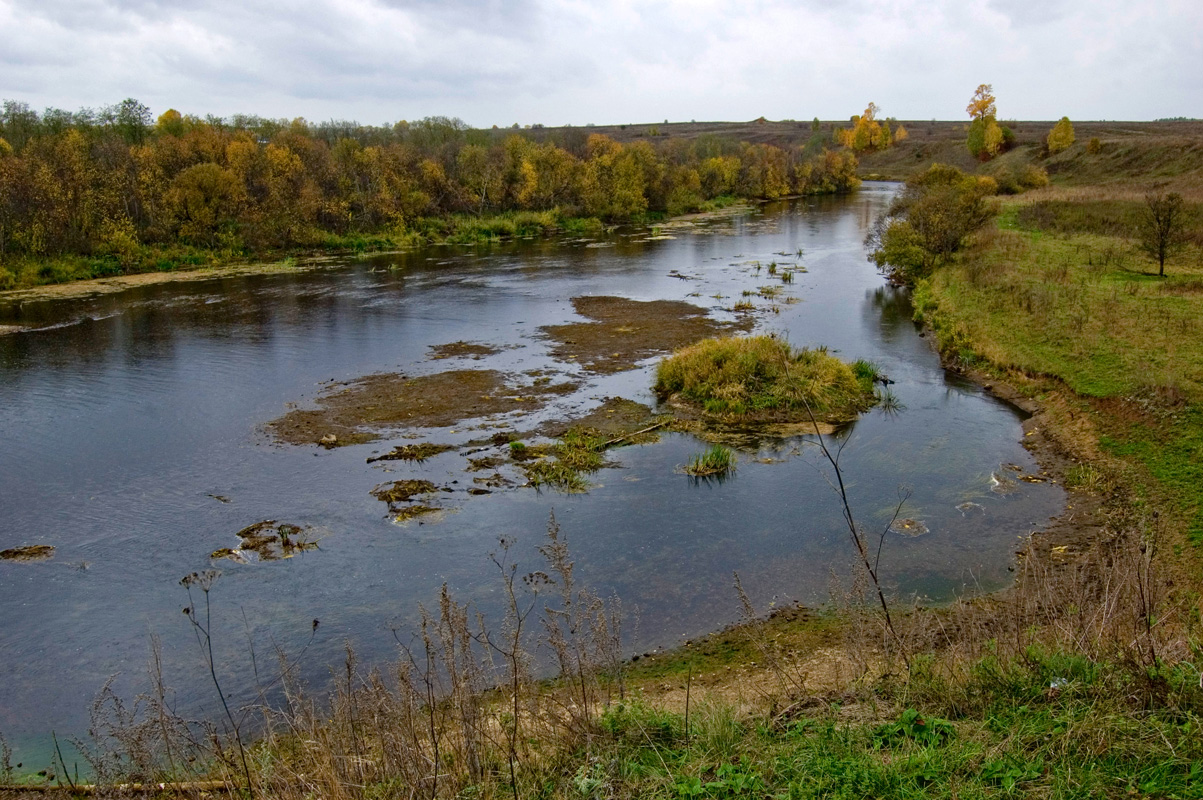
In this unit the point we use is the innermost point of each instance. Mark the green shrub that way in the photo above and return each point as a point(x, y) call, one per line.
point(931, 219)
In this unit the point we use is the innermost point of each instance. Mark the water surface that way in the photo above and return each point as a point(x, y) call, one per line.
point(125, 414)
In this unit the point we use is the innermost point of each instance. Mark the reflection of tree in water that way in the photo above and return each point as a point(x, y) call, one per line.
point(891, 307)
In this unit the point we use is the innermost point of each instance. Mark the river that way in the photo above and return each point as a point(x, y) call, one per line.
point(134, 443)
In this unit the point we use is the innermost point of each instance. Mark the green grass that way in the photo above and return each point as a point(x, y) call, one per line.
point(1084, 308)
point(1103, 216)
point(716, 461)
point(1049, 295)
point(1173, 455)
point(1047, 725)
point(562, 465)
point(763, 377)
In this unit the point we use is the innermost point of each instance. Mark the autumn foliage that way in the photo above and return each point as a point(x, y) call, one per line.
point(867, 133)
point(930, 220)
point(986, 137)
point(119, 187)
point(1061, 136)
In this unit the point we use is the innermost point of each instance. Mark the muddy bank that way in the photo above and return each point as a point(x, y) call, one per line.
point(120, 283)
point(462, 349)
point(360, 411)
point(616, 416)
point(623, 332)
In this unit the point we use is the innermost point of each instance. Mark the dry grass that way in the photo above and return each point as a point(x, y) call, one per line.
point(757, 377)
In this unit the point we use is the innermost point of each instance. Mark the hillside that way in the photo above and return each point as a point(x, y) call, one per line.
point(1141, 151)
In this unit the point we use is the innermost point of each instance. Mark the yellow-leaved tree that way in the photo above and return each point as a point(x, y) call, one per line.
point(986, 136)
point(982, 104)
point(866, 132)
point(1061, 136)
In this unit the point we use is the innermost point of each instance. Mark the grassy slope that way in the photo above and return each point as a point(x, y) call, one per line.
point(1084, 315)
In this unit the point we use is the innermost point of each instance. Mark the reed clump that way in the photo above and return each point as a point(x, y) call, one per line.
point(716, 461)
point(755, 378)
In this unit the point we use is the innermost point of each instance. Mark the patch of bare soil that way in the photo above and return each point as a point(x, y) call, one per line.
point(33, 552)
point(399, 492)
point(402, 497)
point(616, 416)
point(462, 349)
point(624, 332)
point(356, 412)
point(747, 666)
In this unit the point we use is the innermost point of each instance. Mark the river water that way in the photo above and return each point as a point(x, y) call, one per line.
point(123, 416)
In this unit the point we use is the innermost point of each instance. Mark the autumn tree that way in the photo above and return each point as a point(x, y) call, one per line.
point(866, 132)
point(612, 182)
point(765, 172)
point(986, 136)
point(115, 185)
point(1162, 228)
point(982, 106)
point(482, 174)
point(1061, 136)
point(719, 175)
point(170, 122)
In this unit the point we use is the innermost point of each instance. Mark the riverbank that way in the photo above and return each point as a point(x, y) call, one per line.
point(483, 231)
point(1049, 688)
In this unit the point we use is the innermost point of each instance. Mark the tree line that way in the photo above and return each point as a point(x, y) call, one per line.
point(109, 184)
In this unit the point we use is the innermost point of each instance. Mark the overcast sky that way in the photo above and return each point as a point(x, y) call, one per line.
point(607, 61)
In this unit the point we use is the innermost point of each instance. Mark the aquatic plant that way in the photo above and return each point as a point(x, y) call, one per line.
point(718, 460)
point(889, 402)
point(413, 452)
point(866, 370)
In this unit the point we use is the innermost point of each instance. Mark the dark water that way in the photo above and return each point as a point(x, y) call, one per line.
point(124, 414)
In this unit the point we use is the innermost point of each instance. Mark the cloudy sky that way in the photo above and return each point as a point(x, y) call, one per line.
point(607, 61)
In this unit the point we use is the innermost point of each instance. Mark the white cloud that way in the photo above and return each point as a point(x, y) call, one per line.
point(556, 61)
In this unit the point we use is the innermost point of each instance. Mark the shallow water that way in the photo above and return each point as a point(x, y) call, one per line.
point(125, 414)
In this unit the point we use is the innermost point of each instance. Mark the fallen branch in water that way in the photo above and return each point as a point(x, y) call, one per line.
point(648, 429)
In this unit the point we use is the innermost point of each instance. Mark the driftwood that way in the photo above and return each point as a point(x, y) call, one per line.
point(625, 436)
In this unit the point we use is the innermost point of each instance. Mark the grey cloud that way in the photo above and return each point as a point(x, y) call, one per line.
point(586, 60)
